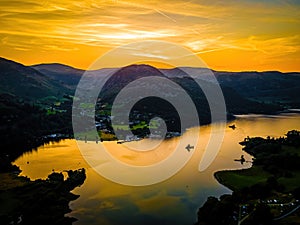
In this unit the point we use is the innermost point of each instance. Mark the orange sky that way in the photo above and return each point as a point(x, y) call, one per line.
point(227, 35)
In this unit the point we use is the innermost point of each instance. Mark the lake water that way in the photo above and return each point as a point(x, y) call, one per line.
point(174, 201)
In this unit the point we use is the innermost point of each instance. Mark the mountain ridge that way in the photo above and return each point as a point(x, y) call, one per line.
point(26, 82)
point(265, 87)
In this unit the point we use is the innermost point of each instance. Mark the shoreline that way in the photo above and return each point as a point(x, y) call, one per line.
point(56, 137)
point(268, 192)
point(39, 201)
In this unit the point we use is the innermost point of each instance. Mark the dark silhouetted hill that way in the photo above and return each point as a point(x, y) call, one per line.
point(27, 83)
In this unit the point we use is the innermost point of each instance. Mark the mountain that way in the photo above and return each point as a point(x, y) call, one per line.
point(27, 83)
point(240, 88)
point(27, 113)
point(270, 87)
point(124, 76)
point(174, 73)
point(244, 92)
point(265, 87)
point(196, 73)
point(235, 103)
point(66, 75)
point(154, 106)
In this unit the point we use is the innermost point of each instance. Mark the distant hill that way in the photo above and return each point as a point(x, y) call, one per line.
point(66, 75)
point(265, 87)
point(270, 87)
point(235, 103)
point(124, 76)
point(27, 83)
point(240, 88)
point(51, 85)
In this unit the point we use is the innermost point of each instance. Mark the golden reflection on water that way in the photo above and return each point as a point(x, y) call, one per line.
point(55, 156)
point(174, 201)
point(141, 158)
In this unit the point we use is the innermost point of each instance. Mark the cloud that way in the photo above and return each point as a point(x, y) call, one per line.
point(274, 46)
point(267, 27)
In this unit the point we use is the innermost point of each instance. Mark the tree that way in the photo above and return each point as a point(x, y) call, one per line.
point(260, 216)
point(293, 138)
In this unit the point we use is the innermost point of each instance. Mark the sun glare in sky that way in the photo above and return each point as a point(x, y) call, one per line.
point(227, 35)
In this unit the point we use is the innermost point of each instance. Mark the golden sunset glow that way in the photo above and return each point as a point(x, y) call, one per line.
point(227, 35)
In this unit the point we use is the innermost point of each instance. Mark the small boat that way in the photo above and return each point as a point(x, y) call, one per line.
point(189, 147)
point(232, 126)
point(242, 159)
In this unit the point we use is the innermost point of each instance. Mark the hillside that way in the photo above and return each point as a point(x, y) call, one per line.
point(266, 87)
point(27, 83)
point(267, 193)
point(270, 87)
point(66, 75)
point(24, 89)
point(144, 110)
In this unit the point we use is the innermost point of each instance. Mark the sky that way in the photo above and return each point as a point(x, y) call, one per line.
point(227, 35)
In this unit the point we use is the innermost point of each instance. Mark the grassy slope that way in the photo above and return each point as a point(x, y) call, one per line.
point(238, 179)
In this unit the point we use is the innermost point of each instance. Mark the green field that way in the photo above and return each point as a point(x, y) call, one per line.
point(153, 125)
point(239, 179)
point(92, 136)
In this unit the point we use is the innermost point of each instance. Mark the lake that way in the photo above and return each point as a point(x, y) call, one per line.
point(173, 201)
